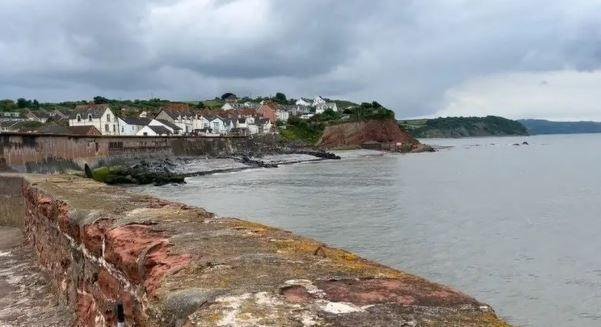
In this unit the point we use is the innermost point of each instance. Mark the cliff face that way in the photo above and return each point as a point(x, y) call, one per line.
point(365, 134)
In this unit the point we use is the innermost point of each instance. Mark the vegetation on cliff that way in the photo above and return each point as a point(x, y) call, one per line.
point(463, 127)
point(310, 131)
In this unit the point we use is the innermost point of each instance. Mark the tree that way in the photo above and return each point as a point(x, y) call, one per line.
point(280, 98)
point(99, 99)
point(227, 95)
point(200, 105)
point(35, 103)
point(22, 103)
point(7, 105)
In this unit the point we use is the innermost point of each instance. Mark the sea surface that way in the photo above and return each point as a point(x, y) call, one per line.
point(517, 227)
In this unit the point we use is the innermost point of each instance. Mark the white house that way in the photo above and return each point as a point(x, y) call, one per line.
point(318, 102)
point(282, 115)
point(153, 130)
point(302, 102)
point(264, 126)
point(171, 127)
point(179, 116)
point(200, 122)
point(131, 126)
point(97, 115)
point(217, 125)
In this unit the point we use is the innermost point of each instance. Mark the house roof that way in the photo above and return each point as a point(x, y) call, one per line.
point(136, 121)
point(53, 128)
point(177, 109)
point(169, 124)
point(96, 110)
point(84, 130)
point(159, 129)
point(39, 114)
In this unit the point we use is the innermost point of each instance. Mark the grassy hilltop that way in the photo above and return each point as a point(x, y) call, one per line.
point(452, 127)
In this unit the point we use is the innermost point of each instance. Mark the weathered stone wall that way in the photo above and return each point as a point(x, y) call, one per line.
point(51, 153)
point(174, 265)
point(12, 207)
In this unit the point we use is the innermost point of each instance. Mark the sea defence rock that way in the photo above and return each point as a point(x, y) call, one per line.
point(370, 134)
point(175, 265)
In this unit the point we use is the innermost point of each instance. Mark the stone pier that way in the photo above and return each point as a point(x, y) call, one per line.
point(175, 265)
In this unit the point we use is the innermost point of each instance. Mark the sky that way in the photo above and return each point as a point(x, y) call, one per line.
point(421, 58)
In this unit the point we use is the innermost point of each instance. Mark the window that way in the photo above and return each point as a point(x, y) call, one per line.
point(114, 129)
point(122, 129)
point(106, 128)
point(78, 118)
point(108, 117)
point(145, 134)
point(89, 117)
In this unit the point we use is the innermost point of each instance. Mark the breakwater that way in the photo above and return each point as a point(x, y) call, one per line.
point(175, 265)
point(24, 152)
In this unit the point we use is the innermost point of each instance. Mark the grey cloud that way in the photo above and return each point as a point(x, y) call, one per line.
point(405, 54)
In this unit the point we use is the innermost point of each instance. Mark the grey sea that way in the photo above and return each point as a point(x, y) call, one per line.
point(517, 227)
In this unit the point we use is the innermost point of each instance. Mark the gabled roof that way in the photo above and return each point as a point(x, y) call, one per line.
point(169, 124)
point(53, 128)
point(159, 129)
point(39, 114)
point(177, 109)
point(84, 130)
point(136, 121)
point(96, 110)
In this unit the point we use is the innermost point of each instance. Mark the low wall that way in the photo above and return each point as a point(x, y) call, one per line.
point(12, 207)
point(175, 265)
point(23, 152)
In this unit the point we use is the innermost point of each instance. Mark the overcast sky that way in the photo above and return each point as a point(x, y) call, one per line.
point(520, 59)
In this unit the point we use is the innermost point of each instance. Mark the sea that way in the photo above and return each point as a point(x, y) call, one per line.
point(513, 221)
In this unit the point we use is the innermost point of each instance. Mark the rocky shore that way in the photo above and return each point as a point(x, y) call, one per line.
point(175, 170)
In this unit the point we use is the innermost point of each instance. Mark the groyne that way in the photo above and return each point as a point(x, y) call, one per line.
point(175, 265)
point(23, 152)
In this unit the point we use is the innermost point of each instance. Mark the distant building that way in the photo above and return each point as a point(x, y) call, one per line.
point(268, 110)
point(171, 127)
point(217, 125)
point(178, 114)
point(53, 128)
point(282, 114)
point(154, 130)
point(131, 126)
point(98, 115)
point(303, 102)
point(321, 105)
point(84, 130)
point(39, 115)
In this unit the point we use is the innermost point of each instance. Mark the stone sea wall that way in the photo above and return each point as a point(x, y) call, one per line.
point(12, 208)
point(50, 153)
point(175, 265)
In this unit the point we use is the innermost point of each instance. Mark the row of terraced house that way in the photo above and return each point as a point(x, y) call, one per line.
point(177, 119)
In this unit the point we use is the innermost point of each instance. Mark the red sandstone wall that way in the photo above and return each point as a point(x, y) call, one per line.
point(94, 265)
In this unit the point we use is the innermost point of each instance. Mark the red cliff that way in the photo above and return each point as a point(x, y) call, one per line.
point(376, 134)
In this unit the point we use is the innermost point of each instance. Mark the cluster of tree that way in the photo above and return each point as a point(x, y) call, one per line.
point(468, 126)
point(21, 103)
point(366, 111)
